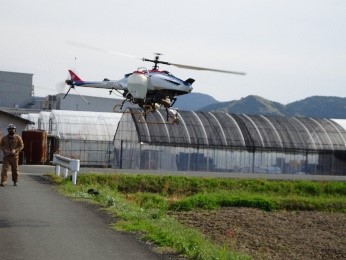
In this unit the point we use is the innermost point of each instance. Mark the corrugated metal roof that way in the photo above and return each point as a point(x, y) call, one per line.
point(19, 111)
point(16, 116)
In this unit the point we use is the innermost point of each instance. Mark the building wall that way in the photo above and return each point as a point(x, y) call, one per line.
point(16, 89)
point(86, 103)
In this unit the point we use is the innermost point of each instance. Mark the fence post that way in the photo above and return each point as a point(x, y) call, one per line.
point(57, 170)
point(74, 178)
point(65, 172)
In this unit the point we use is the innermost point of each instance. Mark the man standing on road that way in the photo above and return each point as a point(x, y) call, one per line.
point(11, 145)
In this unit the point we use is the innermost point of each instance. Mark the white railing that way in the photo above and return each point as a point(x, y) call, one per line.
point(67, 164)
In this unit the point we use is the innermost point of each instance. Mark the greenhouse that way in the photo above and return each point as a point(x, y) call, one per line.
point(215, 141)
point(33, 117)
point(87, 136)
point(43, 120)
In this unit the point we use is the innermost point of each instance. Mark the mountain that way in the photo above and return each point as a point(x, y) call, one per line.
point(251, 105)
point(194, 101)
point(315, 106)
point(318, 106)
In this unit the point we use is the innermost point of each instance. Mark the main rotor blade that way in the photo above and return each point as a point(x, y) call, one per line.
point(93, 48)
point(90, 47)
point(208, 69)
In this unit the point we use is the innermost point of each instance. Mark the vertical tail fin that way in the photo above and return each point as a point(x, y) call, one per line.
point(74, 76)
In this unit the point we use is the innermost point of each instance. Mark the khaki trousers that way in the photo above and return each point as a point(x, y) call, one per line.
point(6, 163)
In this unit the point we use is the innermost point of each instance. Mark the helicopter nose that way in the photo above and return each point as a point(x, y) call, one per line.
point(189, 81)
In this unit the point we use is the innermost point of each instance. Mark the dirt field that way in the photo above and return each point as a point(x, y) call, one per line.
point(273, 235)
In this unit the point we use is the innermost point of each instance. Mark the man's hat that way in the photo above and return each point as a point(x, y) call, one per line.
point(11, 126)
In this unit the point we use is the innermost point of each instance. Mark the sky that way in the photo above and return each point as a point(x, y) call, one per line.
point(290, 49)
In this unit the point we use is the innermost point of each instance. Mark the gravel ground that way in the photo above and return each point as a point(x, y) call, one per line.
point(273, 235)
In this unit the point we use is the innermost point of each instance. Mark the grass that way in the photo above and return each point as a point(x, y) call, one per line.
point(143, 202)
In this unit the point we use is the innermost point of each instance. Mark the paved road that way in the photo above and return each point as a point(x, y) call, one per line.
point(38, 223)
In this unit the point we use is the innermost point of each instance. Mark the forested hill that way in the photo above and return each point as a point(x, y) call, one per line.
point(315, 106)
point(318, 106)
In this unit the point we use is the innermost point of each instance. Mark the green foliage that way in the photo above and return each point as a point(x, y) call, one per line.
point(181, 185)
point(151, 191)
point(214, 201)
point(110, 180)
point(264, 202)
point(166, 185)
point(149, 200)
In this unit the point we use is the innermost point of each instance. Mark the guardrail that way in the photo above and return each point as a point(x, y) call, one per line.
point(67, 164)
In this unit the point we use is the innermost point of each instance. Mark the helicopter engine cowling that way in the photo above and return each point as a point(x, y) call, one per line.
point(137, 85)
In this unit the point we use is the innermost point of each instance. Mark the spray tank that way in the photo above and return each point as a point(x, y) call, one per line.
point(137, 84)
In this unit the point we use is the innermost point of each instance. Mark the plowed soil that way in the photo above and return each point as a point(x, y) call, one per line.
point(273, 235)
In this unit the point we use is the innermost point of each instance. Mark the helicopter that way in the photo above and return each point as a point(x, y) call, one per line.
point(149, 89)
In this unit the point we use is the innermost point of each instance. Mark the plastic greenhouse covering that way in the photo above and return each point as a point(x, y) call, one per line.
point(33, 117)
point(87, 136)
point(216, 141)
point(82, 125)
point(43, 120)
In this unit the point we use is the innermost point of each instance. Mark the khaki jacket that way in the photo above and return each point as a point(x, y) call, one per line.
point(9, 143)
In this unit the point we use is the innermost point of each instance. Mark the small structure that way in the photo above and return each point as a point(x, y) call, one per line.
point(35, 146)
point(66, 164)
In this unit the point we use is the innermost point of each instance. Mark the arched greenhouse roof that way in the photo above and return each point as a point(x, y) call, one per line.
point(82, 125)
point(251, 132)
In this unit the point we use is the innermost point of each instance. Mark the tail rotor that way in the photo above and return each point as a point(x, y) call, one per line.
point(71, 84)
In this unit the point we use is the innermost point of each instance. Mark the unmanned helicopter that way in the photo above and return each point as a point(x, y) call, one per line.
point(147, 88)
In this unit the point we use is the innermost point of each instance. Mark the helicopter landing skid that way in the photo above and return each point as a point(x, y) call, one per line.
point(170, 118)
point(159, 123)
point(146, 110)
point(174, 121)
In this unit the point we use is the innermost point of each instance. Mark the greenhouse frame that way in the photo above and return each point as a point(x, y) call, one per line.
point(87, 136)
point(216, 141)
